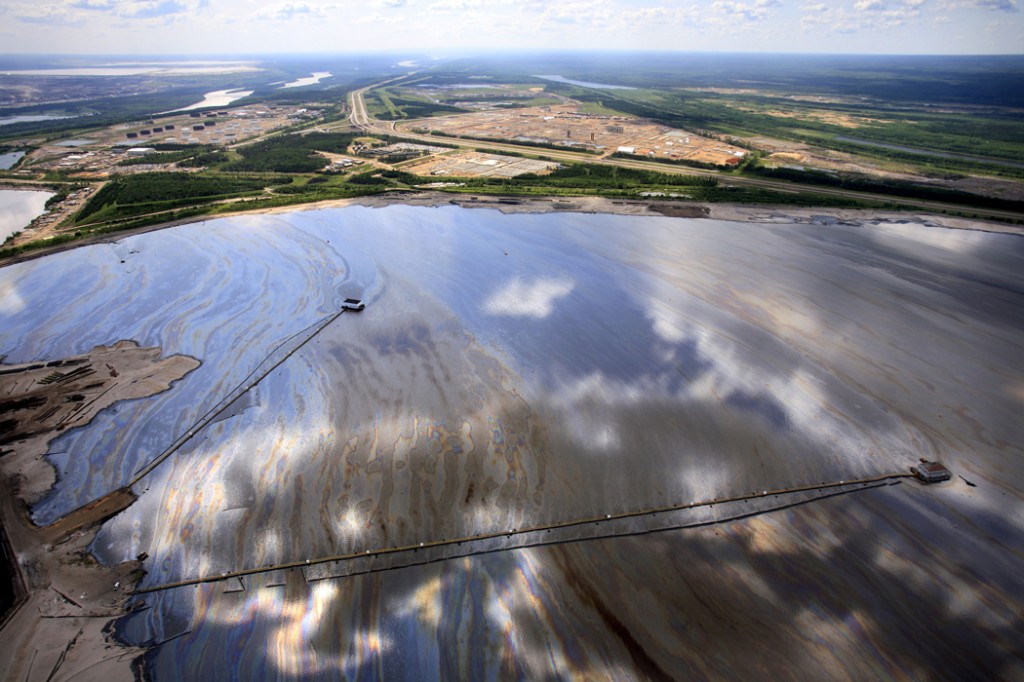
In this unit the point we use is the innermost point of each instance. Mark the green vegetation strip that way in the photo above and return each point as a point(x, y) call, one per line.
point(290, 153)
point(149, 192)
point(532, 529)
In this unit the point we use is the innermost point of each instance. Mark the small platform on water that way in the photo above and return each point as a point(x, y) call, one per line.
point(931, 472)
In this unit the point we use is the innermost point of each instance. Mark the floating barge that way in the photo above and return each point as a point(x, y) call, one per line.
point(931, 472)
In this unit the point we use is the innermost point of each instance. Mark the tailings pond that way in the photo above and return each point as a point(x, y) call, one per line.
point(523, 371)
point(18, 208)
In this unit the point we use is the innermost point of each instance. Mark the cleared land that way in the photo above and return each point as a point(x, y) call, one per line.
point(567, 125)
point(478, 164)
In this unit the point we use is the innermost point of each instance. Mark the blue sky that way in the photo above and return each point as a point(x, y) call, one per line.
point(237, 26)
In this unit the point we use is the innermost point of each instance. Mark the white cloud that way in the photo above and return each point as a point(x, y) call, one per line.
point(11, 301)
point(745, 11)
point(536, 300)
point(994, 5)
point(315, 25)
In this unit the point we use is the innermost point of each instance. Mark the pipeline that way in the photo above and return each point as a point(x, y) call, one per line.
point(533, 529)
point(123, 497)
point(247, 384)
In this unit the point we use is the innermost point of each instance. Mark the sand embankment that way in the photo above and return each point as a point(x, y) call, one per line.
point(66, 600)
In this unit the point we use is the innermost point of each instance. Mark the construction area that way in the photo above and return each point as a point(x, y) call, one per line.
point(468, 164)
point(96, 156)
point(566, 125)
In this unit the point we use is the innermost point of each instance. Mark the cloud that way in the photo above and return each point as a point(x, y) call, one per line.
point(79, 11)
point(92, 5)
point(537, 300)
point(983, 5)
point(748, 11)
point(158, 9)
point(889, 6)
point(11, 301)
point(862, 15)
point(284, 11)
point(586, 13)
point(53, 15)
point(654, 24)
point(996, 5)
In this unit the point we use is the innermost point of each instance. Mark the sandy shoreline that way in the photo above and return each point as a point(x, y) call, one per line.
point(643, 207)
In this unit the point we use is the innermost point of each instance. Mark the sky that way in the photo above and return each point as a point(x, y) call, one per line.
point(303, 26)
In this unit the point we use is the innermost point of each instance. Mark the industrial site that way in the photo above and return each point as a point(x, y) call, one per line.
point(478, 164)
point(102, 151)
point(568, 126)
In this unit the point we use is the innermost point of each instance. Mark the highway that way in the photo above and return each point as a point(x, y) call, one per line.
point(361, 119)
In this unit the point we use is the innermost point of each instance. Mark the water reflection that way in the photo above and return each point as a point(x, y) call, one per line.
point(532, 369)
point(18, 208)
point(536, 299)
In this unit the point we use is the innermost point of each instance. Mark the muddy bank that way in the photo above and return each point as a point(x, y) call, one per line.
point(61, 600)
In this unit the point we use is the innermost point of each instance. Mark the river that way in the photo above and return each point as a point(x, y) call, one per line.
point(312, 79)
point(217, 98)
point(585, 84)
point(511, 371)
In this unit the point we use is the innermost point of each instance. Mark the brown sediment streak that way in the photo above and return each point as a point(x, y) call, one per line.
point(643, 661)
point(846, 485)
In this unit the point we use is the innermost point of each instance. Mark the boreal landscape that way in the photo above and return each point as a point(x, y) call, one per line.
point(523, 364)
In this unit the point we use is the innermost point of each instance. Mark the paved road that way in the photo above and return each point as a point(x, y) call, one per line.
point(361, 119)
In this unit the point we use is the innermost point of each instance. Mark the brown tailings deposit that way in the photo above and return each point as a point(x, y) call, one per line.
point(59, 623)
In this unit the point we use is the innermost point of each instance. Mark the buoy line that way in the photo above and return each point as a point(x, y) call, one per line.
point(864, 483)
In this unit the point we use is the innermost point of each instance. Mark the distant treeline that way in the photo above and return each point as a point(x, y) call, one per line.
point(160, 157)
point(995, 136)
point(674, 162)
point(149, 192)
point(923, 158)
point(595, 175)
point(972, 80)
point(290, 153)
point(520, 143)
point(900, 188)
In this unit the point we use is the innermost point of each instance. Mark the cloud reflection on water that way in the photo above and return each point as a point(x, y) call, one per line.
point(536, 299)
point(684, 362)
